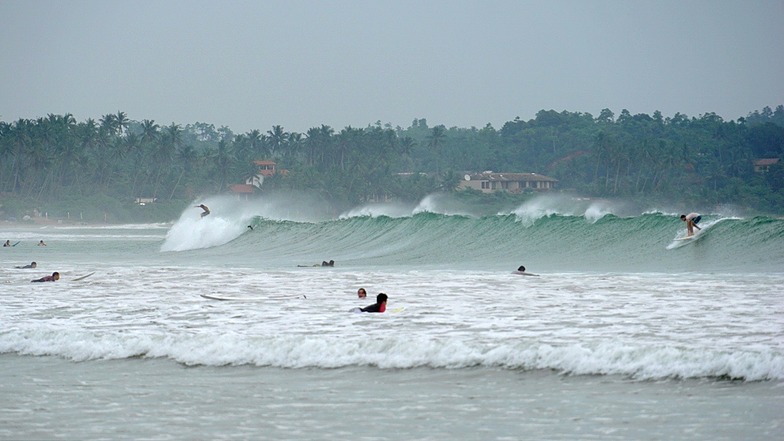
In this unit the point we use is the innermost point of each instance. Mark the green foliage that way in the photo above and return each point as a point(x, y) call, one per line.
point(94, 170)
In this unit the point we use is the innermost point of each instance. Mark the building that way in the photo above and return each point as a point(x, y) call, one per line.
point(242, 191)
point(489, 182)
point(266, 169)
point(763, 165)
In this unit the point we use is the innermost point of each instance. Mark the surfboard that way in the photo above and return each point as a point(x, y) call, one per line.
point(222, 298)
point(391, 311)
point(17, 243)
point(521, 273)
point(692, 237)
point(83, 277)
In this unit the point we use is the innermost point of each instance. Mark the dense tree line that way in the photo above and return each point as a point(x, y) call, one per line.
point(115, 160)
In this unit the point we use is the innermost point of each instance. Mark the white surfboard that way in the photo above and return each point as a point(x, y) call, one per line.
point(524, 273)
point(222, 298)
point(83, 277)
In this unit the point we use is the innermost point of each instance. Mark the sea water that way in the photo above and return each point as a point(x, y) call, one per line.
point(624, 333)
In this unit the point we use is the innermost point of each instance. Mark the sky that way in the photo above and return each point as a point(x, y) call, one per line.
point(302, 63)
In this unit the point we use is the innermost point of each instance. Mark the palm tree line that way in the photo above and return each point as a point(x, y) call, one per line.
point(625, 156)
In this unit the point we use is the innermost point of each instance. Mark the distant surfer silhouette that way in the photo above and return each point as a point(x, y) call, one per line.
point(323, 263)
point(206, 210)
point(521, 271)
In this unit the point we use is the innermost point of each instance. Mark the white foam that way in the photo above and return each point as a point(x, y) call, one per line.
point(576, 323)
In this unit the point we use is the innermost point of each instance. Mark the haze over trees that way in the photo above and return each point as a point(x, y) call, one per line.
point(103, 166)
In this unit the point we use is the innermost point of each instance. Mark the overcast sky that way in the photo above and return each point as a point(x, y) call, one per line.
point(299, 64)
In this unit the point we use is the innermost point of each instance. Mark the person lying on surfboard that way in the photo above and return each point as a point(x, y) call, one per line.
point(379, 306)
point(32, 265)
point(691, 219)
point(323, 263)
point(53, 278)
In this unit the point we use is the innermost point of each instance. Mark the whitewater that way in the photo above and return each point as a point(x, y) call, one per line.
point(626, 332)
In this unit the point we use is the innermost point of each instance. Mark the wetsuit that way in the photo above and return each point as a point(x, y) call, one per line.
point(45, 279)
point(376, 307)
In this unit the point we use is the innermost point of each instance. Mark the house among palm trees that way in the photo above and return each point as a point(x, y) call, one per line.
point(266, 169)
point(489, 182)
point(763, 165)
point(242, 191)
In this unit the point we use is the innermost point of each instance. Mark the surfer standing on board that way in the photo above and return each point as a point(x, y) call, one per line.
point(691, 219)
point(203, 207)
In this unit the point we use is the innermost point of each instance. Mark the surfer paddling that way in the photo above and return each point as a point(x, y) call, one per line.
point(205, 208)
point(53, 278)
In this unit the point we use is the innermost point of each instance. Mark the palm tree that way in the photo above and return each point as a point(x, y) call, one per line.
point(171, 140)
point(187, 158)
point(277, 138)
point(435, 141)
point(222, 161)
point(122, 122)
point(21, 139)
point(407, 145)
point(257, 145)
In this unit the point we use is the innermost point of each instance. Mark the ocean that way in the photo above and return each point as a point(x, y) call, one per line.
point(623, 333)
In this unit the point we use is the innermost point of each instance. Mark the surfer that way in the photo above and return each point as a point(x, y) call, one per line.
point(203, 207)
point(53, 278)
point(32, 265)
point(250, 227)
point(7, 243)
point(521, 271)
point(379, 306)
point(323, 263)
point(41, 243)
point(361, 293)
point(691, 219)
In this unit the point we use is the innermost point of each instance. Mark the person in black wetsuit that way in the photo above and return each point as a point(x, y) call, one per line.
point(379, 306)
point(32, 265)
point(53, 278)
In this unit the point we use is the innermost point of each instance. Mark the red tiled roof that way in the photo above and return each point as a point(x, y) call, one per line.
point(242, 188)
point(766, 161)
